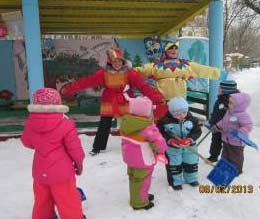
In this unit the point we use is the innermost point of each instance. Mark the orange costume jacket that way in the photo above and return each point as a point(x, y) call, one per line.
point(113, 102)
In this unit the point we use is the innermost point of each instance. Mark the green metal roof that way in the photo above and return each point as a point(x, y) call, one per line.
point(132, 18)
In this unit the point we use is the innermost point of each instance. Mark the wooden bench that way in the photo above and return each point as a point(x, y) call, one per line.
point(201, 98)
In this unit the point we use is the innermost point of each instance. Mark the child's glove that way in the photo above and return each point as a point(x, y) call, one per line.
point(185, 142)
point(180, 143)
point(234, 133)
point(161, 158)
point(78, 168)
point(173, 142)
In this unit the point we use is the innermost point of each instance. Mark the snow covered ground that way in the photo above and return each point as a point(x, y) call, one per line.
point(106, 184)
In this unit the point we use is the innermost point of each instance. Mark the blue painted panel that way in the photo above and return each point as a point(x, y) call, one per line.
point(134, 49)
point(196, 49)
point(7, 77)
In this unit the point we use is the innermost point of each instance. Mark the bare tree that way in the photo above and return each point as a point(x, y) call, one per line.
point(253, 4)
point(239, 23)
point(233, 10)
point(241, 28)
point(243, 39)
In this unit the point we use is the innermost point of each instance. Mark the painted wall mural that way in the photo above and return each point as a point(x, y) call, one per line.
point(134, 51)
point(67, 60)
point(153, 48)
point(20, 70)
point(196, 49)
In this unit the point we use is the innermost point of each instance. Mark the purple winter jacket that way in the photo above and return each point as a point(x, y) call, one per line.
point(236, 119)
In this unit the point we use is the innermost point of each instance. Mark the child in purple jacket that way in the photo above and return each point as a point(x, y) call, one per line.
point(236, 118)
point(58, 156)
point(142, 144)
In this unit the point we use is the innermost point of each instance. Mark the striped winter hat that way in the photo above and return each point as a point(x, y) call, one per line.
point(228, 86)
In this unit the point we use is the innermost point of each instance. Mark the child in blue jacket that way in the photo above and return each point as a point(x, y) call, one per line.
point(181, 130)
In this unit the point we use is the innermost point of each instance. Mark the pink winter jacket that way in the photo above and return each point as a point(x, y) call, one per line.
point(55, 141)
point(139, 154)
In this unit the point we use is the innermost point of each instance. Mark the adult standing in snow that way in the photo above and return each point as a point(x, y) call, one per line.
point(58, 157)
point(113, 79)
point(171, 73)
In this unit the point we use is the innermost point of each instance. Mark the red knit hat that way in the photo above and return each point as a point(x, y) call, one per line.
point(47, 96)
point(114, 53)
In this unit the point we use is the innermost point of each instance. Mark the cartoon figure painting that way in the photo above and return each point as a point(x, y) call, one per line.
point(153, 48)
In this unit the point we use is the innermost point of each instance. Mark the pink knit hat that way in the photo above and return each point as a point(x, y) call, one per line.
point(47, 96)
point(140, 106)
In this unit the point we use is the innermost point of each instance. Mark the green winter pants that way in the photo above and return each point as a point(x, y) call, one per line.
point(139, 184)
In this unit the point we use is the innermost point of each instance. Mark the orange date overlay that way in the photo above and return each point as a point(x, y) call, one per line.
point(232, 189)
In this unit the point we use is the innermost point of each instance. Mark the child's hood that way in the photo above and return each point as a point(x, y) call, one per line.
point(242, 101)
point(44, 122)
point(132, 124)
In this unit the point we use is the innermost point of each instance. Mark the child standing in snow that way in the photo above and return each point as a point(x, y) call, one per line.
point(236, 118)
point(181, 130)
point(142, 144)
point(58, 156)
point(226, 88)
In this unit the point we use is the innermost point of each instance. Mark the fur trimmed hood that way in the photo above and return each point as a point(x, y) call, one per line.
point(38, 108)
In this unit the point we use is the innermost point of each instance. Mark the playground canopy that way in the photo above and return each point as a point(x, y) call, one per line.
point(124, 18)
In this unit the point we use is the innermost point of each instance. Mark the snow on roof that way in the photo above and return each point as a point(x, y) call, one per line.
point(240, 55)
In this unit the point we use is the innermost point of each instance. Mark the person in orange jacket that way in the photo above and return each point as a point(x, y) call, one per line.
point(113, 79)
point(58, 156)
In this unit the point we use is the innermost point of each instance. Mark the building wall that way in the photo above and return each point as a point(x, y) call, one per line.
point(7, 77)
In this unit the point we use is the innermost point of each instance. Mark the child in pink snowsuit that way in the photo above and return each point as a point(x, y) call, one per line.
point(58, 156)
point(141, 144)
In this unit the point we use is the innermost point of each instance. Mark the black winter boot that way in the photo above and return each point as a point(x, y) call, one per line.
point(147, 207)
point(178, 187)
point(94, 152)
point(194, 184)
point(150, 197)
point(212, 159)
